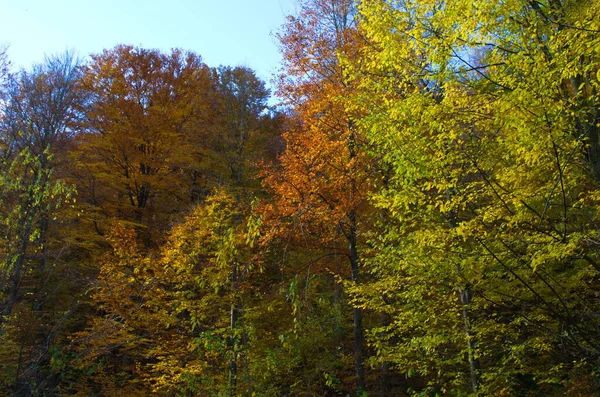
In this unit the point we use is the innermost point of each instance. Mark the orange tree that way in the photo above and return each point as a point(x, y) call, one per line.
point(136, 157)
point(322, 179)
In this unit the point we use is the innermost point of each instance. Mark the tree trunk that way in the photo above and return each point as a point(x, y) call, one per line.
point(465, 300)
point(15, 281)
point(359, 338)
point(384, 381)
point(234, 316)
point(42, 264)
point(466, 295)
point(592, 133)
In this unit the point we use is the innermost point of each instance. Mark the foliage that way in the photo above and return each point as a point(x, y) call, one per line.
point(426, 225)
point(321, 181)
point(165, 316)
point(38, 116)
point(493, 200)
point(132, 162)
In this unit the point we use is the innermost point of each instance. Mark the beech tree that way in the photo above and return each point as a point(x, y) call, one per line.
point(322, 179)
point(40, 114)
point(165, 320)
point(242, 107)
point(142, 118)
point(490, 203)
point(427, 224)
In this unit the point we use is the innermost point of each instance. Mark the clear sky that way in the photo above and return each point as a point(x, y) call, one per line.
point(228, 32)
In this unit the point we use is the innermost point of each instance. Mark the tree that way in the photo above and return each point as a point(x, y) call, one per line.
point(322, 179)
point(489, 204)
point(4, 68)
point(136, 156)
point(40, 114)
point(164, 318)
point(243, 105)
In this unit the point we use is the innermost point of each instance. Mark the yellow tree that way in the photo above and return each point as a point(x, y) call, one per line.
point(165, 320)
point(493, 198)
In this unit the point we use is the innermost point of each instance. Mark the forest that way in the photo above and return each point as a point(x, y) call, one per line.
point(420, 215)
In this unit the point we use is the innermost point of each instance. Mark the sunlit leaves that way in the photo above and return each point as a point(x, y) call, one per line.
point(474, 105)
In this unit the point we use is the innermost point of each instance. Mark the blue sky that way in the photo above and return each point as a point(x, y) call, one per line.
point(229, 32)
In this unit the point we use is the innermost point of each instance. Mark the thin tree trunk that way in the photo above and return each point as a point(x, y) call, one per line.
point(337, 303)
point(466, 295)
point(42, 264)
point(465, 300)
point(234, 316)
point(359, 338)
point(15, 281)
point(385, 367)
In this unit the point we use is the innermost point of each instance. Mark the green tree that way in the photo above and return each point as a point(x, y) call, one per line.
point(39, 116)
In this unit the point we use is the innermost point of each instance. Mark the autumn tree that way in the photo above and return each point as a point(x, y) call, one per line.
point(242, 107)
point(135, 157)
point(492, 196)
point(161, 132)
point(164, 320)
point(40, 114)
point(39, 117)
point(321, 181)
